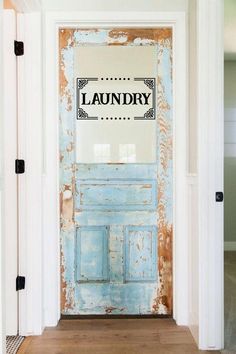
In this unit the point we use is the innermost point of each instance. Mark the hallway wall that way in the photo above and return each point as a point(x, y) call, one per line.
point(230, 153)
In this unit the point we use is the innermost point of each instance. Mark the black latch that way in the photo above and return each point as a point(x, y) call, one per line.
point(19, 166)
point(20, 283)
point(18, 48)
point(219, 196)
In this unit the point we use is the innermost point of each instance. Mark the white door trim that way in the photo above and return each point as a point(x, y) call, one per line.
point(51, 251)
point(10, 218)
point(210, 50)
point(2, 238)
point(30, 183)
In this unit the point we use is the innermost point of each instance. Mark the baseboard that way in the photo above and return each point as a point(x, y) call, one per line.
point(230, 246)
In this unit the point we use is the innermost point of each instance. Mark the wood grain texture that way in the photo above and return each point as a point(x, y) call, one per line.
point(113, 336)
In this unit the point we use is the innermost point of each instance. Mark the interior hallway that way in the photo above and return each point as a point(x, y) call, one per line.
point(113, 336)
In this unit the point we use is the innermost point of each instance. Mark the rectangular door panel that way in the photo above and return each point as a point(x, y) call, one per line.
point(92, 254)
point(116, 195)
point(140, 254)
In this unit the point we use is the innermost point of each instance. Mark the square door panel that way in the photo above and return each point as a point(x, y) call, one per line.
point(92, 254)
point(140, 253)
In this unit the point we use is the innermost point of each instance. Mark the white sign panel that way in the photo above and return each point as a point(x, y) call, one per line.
point(115, 104)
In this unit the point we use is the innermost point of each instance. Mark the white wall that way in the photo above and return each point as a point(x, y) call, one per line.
point(118, 5)
point(192, 168)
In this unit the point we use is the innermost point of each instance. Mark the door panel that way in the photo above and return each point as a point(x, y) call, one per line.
point(116, 219)
point(116, 195)
point(92, 254)
point(140, 253)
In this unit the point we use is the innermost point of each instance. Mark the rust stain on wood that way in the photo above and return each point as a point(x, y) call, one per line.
point(164, 300)
point(155, 35)
point(65, 39)
point(63, 284)
point(111, 309)
point(67, 207)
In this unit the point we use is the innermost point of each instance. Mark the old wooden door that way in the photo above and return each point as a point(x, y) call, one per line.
point(116, 218)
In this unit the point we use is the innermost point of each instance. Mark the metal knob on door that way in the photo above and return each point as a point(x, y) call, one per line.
point(219, 196)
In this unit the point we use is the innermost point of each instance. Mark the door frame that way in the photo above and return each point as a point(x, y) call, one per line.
point(51, 216)
point(2, 238)
point(29, 87)
point(210, 179)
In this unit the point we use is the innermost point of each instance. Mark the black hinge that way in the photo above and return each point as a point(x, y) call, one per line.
point(20, 283)
point(219, 196)
point(19, 166)
point(18, 48)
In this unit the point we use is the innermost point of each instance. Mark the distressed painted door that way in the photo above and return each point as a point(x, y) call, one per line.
point(116, 219)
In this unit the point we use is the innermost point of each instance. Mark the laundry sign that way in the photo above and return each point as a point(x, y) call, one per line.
point(128, 97)
point(115, 94)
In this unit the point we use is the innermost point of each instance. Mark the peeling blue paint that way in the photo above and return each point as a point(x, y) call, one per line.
point(127, 269)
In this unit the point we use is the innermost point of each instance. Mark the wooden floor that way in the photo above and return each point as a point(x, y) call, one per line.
point(112, 336)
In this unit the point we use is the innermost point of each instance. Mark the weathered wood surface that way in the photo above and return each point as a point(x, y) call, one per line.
point(136, 195)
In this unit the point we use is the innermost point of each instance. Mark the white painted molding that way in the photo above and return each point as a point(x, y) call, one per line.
point(192, 178)
point(210, 172)
point(180, 255)
point(230, 246)
point(193, 256)
point(30, 183)
point(25, 6)
point(53, 21)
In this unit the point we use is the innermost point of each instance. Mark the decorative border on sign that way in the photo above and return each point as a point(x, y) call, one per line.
point(80, 84)
point(151, 84)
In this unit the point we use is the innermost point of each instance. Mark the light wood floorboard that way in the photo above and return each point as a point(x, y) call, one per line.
point(112, 336)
